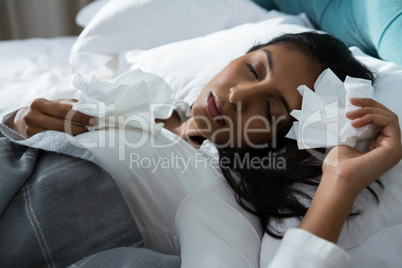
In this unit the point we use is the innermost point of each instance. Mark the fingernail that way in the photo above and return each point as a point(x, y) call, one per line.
point(93, 121)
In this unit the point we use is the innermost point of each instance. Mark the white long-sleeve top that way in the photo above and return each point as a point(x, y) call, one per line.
point(183, 205)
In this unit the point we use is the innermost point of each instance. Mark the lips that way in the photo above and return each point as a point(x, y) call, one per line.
point(214, 110)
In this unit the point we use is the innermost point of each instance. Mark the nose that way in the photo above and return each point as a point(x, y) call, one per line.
point(244, 96)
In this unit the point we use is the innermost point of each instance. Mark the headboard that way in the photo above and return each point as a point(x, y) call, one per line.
point(375, 26)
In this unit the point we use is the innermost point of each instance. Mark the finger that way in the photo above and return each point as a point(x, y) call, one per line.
point(51, 108)
point(76, 116)
point(367, 102)
point(74, 129)
point(389, 126)
point(51, 123)
point(32, 130)
point(67, 101)
point(45, 122)
point(69, 128)
point(62, 109)
point(369, 110)
point(80, 118)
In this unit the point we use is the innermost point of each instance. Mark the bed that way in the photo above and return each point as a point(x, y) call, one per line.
point(119, 35)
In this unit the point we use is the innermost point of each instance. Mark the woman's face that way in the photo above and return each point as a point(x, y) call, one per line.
point(249, 101)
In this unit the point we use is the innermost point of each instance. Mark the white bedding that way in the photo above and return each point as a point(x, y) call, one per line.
point(34, 68)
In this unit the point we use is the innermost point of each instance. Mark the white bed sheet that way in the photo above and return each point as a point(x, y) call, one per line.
point(34, 67)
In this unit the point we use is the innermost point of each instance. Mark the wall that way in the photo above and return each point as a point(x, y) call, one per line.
point(39, 18)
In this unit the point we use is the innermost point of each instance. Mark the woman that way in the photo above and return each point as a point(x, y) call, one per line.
point(245, 109)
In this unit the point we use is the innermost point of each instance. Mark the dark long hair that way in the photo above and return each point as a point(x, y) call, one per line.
point(283, 186)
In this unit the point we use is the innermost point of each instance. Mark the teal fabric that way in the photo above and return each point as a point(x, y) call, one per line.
point(375, 26)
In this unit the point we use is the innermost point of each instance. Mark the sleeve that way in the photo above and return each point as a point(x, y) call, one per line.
point(302, 249)
point(214, 231)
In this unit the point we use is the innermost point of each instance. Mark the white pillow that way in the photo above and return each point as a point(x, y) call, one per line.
point(140, 24)
point(86, 14)
point(188, 65)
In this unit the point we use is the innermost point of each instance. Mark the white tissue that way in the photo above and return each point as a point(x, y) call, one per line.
point(322, 121)
point(130, 100)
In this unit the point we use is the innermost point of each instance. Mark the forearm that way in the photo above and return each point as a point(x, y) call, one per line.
point(313, 244)
point(331, 205)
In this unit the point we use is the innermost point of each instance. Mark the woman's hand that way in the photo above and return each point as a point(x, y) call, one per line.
point(56, 115)
point(355, 169)
point(346, 171)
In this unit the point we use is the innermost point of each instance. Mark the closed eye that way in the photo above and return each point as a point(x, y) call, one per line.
point(251, 69)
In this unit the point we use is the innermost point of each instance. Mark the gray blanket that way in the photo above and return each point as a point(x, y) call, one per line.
point(59, 208)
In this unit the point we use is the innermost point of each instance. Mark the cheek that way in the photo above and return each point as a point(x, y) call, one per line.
point(255, 131)
point(201, 121)
point(223, 138)
point(200, 100)
point(244, 133)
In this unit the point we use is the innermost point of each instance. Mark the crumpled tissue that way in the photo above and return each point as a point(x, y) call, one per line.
point(322, 121)
point(132, 100)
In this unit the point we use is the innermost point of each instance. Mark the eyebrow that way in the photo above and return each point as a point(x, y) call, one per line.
point(268, 53)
